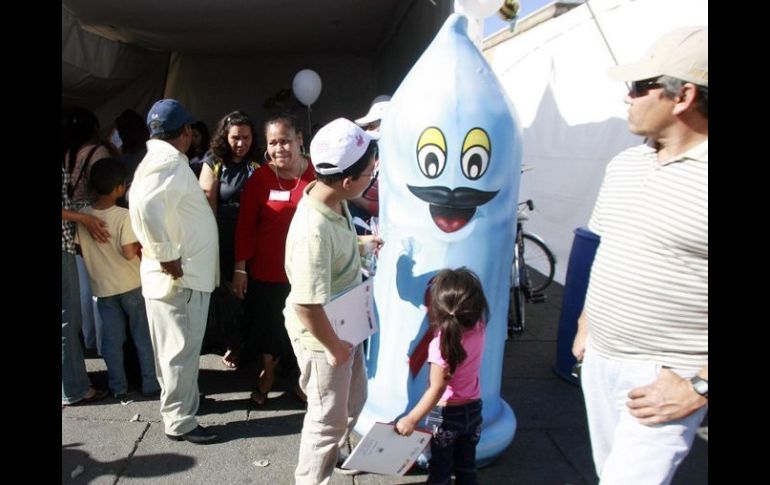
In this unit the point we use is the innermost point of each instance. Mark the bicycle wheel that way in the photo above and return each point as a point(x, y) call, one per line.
point(516, 315)
point(540, 263)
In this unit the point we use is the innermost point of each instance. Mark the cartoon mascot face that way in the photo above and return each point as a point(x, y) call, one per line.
point(452, 208)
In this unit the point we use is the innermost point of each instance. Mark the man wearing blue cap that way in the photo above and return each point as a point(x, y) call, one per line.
point(180, 264)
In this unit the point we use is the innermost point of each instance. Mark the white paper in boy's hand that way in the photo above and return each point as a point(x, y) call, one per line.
point(385, 451)
point(351, 314)
point(361, 223)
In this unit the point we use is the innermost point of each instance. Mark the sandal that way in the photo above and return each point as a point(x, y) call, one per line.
point(258, 397)
point(230, 359)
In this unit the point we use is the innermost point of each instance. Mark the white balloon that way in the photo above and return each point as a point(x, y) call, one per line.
point(307, 86)
point(479, 9)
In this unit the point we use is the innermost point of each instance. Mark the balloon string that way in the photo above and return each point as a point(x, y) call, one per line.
point(309, 125)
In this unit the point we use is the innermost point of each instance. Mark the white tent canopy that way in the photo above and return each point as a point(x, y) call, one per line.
point(216, 57)
point(573, 115)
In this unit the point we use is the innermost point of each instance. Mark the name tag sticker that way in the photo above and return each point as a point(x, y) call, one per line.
point(282, 195)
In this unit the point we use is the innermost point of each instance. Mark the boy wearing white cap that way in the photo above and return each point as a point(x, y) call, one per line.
point(643, 335)
point(323, 260)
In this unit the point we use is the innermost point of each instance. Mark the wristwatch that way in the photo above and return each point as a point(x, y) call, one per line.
point(701, 386)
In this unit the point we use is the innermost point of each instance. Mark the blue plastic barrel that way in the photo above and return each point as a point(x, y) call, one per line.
point(581, 257)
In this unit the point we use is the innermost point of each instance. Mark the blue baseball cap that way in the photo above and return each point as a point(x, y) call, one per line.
point(167, 115)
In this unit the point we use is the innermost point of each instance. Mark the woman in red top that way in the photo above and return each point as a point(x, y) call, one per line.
point(268, 203)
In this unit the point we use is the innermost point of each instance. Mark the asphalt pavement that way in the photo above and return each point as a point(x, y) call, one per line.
point(113, 442)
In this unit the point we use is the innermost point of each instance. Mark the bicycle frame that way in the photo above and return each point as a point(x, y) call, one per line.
point(518, 249)
point(523, 289)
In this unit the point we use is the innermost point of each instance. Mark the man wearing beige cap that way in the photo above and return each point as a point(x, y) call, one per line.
point(643, 334)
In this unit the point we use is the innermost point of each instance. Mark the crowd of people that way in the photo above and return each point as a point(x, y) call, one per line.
point(172, 235)
point(169, 240)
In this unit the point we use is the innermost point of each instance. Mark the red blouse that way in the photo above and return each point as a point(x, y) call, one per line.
point(267, 208)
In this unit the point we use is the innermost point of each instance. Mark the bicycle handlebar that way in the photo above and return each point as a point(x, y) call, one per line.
point(530, 205)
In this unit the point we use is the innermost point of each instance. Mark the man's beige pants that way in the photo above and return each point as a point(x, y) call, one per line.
point(177, 325)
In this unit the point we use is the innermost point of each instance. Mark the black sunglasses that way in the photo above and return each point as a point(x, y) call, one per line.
point(641, 88)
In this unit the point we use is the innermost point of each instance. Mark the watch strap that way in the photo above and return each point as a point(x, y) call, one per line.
point(700, 385)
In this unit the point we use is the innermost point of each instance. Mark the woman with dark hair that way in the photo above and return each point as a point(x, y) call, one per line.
point(268, 205)
point(224, 172)
point(82, 149)
point(133, 133)
point(198, 147)
point(229, 162)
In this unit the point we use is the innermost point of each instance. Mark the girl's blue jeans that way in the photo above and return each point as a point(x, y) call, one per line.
point(456, 431)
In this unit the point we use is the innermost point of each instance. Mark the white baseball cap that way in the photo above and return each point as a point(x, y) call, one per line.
point(338, 145)
point(376, 110)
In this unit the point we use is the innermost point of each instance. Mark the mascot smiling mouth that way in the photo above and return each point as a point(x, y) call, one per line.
point(452, 209)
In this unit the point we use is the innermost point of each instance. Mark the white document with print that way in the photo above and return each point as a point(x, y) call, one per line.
point(385, 451)
point(352, 314)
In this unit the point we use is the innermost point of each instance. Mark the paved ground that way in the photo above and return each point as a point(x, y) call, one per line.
point(111, 443)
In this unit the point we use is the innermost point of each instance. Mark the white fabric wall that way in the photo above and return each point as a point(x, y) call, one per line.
point(573, 115)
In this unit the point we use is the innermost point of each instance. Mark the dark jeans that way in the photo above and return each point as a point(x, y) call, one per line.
point(456, 431)
point(117, 311)
point(74, 379)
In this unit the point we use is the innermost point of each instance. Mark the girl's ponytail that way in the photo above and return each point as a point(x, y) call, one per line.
point(451, 342)
point(457, 304)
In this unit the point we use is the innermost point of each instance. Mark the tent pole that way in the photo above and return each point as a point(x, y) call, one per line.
point(601, 31)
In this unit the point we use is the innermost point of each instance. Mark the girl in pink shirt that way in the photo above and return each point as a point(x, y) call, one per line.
point(456, 313)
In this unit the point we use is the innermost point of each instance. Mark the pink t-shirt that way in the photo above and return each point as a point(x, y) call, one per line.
point(464, 384)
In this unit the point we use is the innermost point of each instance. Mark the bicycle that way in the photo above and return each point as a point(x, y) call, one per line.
point(528, 283)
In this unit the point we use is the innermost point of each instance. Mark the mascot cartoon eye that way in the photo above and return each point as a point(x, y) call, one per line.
point(476, 150)
point(431, 152)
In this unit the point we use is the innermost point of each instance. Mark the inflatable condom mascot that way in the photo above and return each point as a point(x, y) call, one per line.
point(450, 162)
